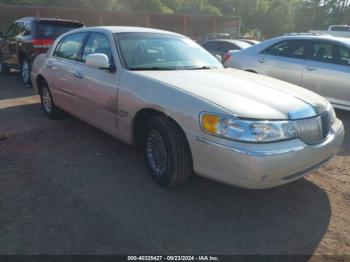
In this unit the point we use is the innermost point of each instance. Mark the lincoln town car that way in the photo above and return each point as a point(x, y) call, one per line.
point(164, 93)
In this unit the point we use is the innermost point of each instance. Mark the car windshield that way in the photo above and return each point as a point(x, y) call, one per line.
point(153, 51)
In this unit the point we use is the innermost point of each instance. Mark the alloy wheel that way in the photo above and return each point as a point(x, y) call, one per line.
point(46, 99)
point(156, 152)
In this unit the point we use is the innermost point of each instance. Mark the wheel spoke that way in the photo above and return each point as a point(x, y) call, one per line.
point(156, 152)
point(46, 99)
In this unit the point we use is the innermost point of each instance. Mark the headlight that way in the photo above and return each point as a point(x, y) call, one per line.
point(246, 130)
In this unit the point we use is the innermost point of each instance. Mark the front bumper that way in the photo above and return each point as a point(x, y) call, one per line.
point(259, 166)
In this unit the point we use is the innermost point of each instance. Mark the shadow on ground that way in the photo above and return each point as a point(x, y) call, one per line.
point(67, 188)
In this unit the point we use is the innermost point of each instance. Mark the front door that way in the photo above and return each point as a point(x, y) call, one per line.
point(96, 89)
point(283, 60)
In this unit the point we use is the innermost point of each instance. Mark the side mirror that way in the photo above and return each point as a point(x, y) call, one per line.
point(99, 61)
point(219, 58)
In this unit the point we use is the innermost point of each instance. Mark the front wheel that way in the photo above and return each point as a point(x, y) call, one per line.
point(167, 152)
point(25, 72)
point(47, 103)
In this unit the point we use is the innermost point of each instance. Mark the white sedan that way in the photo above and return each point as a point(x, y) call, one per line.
point(163, 92)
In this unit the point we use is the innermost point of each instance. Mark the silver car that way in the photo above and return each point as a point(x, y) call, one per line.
point(220, 47)
point(318, 63)
point(163, 92)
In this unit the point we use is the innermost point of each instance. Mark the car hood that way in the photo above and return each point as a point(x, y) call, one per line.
point(244, 94)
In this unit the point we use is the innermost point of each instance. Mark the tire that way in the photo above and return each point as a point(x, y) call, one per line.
point(25, 72)
point(4, 69)
point(167, 152)
point(47, 103)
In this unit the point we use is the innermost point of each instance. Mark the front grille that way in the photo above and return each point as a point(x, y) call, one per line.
point(313, 130)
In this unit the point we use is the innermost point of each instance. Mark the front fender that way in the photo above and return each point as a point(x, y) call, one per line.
point(137, 92)
point(37, 69)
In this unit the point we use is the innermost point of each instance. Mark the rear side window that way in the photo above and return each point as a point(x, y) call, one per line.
point(52, 29)
point(20, 28)
point(27, 29)
point(322, 52)
point(291, 48)
point(69, 47)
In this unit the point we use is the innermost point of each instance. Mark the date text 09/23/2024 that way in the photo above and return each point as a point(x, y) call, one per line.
point(173, 258)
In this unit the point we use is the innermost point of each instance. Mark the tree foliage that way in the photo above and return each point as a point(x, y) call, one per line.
point(272, 16)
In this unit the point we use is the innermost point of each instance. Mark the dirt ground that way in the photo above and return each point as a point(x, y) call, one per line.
point(67, 188)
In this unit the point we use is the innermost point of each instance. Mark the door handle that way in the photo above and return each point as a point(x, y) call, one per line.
point(79, 75)
point(310, 68)
point(261, 60)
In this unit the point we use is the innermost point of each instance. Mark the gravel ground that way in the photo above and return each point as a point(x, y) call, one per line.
point(67, 188)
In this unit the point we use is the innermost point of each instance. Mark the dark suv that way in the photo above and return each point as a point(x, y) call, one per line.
point(28, 37)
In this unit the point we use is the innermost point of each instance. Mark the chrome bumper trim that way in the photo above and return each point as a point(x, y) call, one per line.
point(252, 153)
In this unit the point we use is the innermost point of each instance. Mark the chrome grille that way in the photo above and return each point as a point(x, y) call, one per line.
point(313, 130)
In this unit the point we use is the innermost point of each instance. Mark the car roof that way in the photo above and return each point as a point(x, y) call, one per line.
point(232, 41)
point(126, 29)
point(343, 40)
point(47, 19)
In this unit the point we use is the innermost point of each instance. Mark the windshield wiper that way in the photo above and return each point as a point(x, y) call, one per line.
point(202, 67)
point(155, 68)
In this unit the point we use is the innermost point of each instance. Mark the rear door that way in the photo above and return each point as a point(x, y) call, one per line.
point(60, 70)
point(327, 71)
point(95, 89)
point(283, 60)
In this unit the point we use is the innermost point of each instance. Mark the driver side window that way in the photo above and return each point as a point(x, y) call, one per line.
point(290, 48)
point(98, 43)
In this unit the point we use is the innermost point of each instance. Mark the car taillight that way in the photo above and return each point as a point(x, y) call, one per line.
point(226, 57)
point(42, 43)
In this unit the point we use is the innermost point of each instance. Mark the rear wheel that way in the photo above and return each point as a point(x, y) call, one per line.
point(167, 152)
point(4, 69)
point(25, 72)
point(47, 103)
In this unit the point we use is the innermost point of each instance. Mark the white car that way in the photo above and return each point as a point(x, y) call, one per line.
point(318, 63)
point(163, 92)
point(335, 30)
